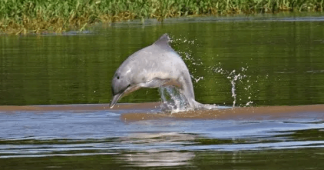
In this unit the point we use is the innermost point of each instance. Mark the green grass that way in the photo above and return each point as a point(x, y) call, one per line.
point(41, 16)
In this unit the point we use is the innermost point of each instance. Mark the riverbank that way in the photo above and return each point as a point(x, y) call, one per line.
point(35, 16)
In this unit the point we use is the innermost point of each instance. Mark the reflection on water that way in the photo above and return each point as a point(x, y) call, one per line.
point(240, 61)
point(171, 149)
point(88, 134)
point(158, 158)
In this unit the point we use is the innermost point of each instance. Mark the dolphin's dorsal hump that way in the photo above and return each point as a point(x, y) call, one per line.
point(163, 40)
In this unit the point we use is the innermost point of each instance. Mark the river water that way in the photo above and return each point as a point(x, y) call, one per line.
point(270, 68)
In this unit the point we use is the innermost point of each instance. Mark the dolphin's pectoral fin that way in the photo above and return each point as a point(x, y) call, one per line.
point(173, 83)
point(155, 83)
point(131, 89)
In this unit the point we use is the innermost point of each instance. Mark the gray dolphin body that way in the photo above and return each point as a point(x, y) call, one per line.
point(152, 67)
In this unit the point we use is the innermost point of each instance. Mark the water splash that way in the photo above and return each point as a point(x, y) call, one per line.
point(186, 54)
point(197, 79)
point(172, 100)
point(193, 63)
point(234, 77)
point(182, 40)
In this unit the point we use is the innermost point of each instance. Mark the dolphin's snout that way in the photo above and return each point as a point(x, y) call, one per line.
point(114, 100)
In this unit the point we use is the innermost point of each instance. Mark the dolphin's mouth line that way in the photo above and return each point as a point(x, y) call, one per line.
point(127, 91)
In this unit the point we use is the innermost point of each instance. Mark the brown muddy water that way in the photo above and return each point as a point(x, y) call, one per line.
point(54, 91)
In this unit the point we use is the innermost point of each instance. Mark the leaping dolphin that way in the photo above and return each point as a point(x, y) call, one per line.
point(152, 67)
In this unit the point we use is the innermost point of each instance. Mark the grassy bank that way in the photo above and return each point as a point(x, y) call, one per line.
point(38, 16)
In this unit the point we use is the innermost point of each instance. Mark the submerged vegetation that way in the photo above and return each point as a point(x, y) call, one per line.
point(38, 16)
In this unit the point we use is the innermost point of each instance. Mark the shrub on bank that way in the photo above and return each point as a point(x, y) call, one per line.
point(37, 16)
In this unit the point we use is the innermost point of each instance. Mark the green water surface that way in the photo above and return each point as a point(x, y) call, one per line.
point(279, 62)
point(262, 60)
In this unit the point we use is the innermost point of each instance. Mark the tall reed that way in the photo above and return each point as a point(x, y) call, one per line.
point(37, 16)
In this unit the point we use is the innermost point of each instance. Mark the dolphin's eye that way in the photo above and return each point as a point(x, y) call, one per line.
point(117, 77)
point(128, 85)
